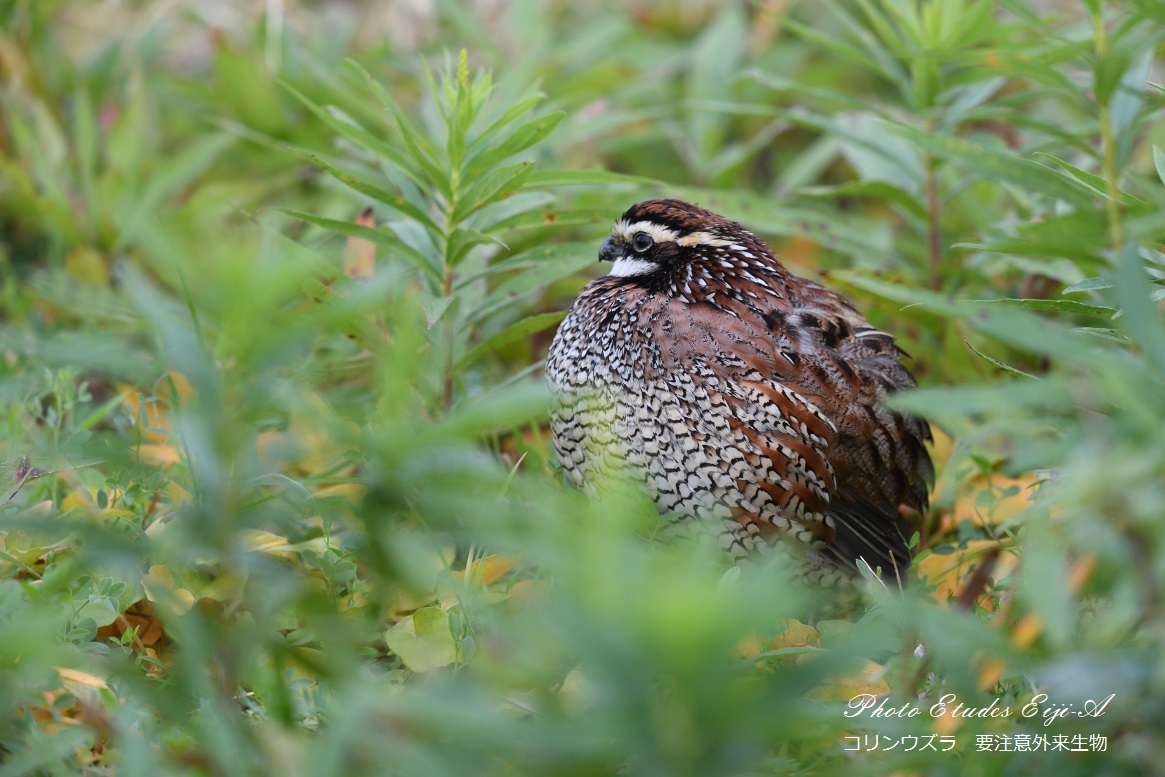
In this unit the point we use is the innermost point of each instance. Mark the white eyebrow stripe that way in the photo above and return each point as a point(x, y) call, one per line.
point(703, 239)
point(630, 267)
point(658, 232)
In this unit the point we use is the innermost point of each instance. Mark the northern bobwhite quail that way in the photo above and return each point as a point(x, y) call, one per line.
point(737, 393)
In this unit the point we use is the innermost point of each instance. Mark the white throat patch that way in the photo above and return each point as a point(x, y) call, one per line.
point(629, 267)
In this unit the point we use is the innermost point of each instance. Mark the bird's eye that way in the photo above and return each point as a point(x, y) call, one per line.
point(641, 242)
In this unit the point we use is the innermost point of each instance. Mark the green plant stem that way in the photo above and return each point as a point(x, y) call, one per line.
point(450, 343)
point(1100, 43)
point(447, 289)
point(934, 223)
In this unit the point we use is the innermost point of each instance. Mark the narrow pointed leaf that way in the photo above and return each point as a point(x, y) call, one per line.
point(378, 236)
point(394, 201)
point(519, 330)
point(522, 138)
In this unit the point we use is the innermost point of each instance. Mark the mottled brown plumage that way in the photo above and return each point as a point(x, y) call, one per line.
point(737, 393)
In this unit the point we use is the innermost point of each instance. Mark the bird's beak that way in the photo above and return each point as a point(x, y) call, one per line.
point(609, 251)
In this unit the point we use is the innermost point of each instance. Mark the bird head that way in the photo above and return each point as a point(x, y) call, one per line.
point(662, 242)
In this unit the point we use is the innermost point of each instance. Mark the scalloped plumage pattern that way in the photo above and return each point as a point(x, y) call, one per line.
point(738, 394)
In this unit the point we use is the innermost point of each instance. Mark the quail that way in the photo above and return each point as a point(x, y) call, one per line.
point(739, 395)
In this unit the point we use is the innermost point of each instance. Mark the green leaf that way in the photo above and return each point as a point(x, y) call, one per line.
point(1094, 182)
point(1104, 333)
point(1005, 166)
point(394, 201)
point(1142, 319)
point(585, 178)
point(378, 236)
point(1054, 305)
point(773, 218)
point(527, 135)
point(464, 240)
point(423, 640)
point(874, 189)
point(512, 114)
point(1045, 576)
point(964, 401)
point(1076, 235)
point(1005, 367)
point(714, 62)
point(1018, 327)
point(558, 262)
point(1090, 284)
point(85, 136)
point(494, 186)
point(1159, 162)
point(519, 330)
point(419, 148)
point(436, 308)
point(177, 171)
point(550, 217)
point(517, 404)
point(348, 128)
point(533, 257)
point(128, 139)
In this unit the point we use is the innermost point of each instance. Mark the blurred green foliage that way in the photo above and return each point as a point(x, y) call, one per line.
point(278, 498)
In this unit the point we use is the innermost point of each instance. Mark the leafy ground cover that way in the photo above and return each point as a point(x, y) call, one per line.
point(274, 290)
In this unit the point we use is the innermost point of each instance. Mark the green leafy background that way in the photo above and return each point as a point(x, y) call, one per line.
point(276, 280)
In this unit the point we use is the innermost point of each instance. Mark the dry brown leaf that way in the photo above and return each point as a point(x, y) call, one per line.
point(360, 256)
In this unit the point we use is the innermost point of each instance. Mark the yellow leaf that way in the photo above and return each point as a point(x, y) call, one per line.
point(159, 455)
point(352, 491)
point(313, 442)
point(577, 692)
point(148, 414)
point(85, 499)
point(988, 499)
point(261, 541)
point(177, 493)
point(949, 572)
point(526, 594)
point(81, 678)
point(796, 634)
point(946, 724)
point(159, 586)
point(78, 500)
point(491, 568)
point(152, 413)
point(181, 383)
point(869, 680)
point(990, 673)
point(749, 647)
point(943, 445)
